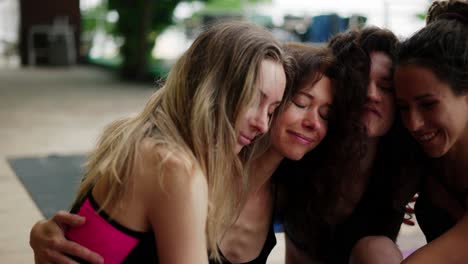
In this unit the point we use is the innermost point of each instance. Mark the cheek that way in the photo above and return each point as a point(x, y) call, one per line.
point(323, 131)
point(276, 141)
point(288, 117)
point(390, 108)
point(279, 125)
point(275, 137)
point(242, 123)
point(455, 121)
point(243, 118)
point(389, 102)
point(404, 118)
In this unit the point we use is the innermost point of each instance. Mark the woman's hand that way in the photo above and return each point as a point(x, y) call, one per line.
point(47, 239)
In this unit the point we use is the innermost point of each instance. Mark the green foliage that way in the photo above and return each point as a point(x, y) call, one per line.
point(94, 17)
point(139, 22)
point(222, 5)
point(421, 16)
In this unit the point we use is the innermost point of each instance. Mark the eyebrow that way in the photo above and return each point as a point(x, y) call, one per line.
point(422, 97)
point(311, 97)
point(416, 98)
point(306, 94)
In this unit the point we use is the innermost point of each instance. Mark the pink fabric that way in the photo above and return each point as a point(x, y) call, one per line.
point(100, 236)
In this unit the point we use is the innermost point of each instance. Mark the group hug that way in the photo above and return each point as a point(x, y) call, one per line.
point(332, 141)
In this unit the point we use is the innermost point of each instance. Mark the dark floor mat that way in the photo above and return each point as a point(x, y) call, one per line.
point(51, 181)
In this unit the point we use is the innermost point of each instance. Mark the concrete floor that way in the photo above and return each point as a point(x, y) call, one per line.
point(51, 110)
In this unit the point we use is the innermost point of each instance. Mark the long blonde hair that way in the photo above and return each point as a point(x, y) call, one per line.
point(193, 115)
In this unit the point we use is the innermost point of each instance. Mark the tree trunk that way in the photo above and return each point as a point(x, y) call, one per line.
point(137, 47)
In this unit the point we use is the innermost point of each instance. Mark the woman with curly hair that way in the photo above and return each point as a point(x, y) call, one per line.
point(352, 188)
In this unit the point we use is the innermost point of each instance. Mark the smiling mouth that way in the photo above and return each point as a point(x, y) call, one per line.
point(301, 138)
point(426, 137)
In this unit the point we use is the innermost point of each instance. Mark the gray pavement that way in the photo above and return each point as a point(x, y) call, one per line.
point(45, 111)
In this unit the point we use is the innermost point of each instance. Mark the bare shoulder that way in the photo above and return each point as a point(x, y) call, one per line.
point(164, 171)
point(175, 200)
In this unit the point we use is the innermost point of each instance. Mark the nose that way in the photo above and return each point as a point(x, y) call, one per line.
point(373, 93)
point(312, 120)
point(261, 121)
point(413, 120)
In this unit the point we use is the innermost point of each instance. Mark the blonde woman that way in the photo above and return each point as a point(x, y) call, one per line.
point(156, 188)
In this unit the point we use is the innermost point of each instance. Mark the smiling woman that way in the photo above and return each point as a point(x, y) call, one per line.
point(432, 94)
point(432, 113)
point(304, 123)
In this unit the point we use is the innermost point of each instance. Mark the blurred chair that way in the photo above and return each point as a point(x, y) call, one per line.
point(58, 43)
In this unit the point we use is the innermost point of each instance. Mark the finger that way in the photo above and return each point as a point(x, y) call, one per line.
point(75, 249)
point(52, 256)
point(63, 218)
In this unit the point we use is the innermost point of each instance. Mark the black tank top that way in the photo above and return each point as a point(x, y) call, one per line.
point(374, 215)
point(270, 241)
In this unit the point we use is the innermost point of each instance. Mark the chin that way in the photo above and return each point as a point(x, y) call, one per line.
point(374, 133)
point(295, 156)
point(435, 153)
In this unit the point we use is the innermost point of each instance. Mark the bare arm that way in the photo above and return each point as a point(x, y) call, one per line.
point(177, 212)
point(48, 241)
point(450, 248)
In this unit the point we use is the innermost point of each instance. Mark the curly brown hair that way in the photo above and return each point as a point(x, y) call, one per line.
point(314, 185)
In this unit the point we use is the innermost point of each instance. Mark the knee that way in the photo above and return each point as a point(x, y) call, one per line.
point(376, 250)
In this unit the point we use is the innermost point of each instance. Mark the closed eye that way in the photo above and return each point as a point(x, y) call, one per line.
point(428, 105)
point(301, 101)
point(302, 106)
point(324, 112)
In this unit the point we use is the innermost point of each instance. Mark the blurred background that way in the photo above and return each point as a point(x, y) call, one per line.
point(142, 38)
point(69, 67)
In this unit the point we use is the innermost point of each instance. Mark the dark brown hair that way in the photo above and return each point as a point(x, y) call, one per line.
point(442, 46)
point(313, 184)
point(311, 63)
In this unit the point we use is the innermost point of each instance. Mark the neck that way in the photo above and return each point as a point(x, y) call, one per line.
point(263, 168)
